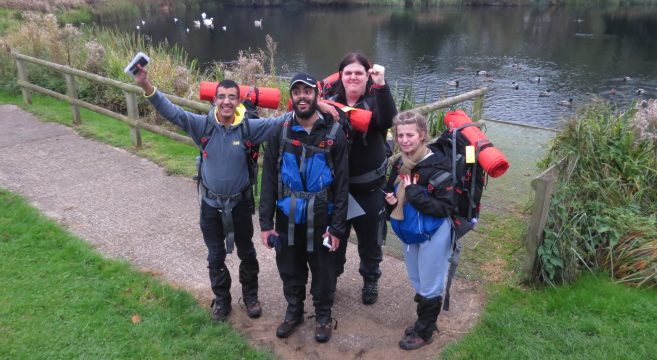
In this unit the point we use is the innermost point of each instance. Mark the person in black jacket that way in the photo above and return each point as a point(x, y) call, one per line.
point(305, 185)
point(362, 85)
point(420, 195)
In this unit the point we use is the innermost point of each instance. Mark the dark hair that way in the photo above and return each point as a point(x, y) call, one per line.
point(350, 58)
point(227, 84)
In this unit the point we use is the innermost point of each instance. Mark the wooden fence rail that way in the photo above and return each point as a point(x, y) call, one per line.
point(71, 97)
point(132, 91)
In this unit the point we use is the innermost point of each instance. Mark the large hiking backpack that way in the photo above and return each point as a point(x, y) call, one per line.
point(301, 184)
point(468, 178)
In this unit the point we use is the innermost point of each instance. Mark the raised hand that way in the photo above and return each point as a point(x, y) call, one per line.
point(377, 73)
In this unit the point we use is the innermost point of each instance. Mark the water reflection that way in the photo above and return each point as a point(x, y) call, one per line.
point(578, 53)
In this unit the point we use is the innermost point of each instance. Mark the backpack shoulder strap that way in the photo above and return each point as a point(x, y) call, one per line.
point(330, 139)
point(281, 147)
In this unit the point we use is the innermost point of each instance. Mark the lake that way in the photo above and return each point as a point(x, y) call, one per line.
point(578, 53)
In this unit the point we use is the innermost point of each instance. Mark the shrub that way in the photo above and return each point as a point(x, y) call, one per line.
point(604, 210)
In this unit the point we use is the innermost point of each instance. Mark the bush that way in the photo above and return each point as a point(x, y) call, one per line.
point(604, 210)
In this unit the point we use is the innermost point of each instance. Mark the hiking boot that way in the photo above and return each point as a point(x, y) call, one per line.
point(253, 309)
point(370, 292)
point(414, 341)
point(220, 311)
point(323, 332)
point(287, 327)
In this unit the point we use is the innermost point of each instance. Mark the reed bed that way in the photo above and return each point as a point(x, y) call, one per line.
point(604, 211)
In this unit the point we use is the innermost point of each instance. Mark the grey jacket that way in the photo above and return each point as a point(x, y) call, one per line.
point(224, 171)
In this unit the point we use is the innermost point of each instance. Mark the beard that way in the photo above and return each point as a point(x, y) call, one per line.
point(312, 107)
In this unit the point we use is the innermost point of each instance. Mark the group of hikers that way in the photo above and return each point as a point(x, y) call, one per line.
point(318, 164)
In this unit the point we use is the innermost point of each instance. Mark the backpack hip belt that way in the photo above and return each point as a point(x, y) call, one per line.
point(226, 205)
point(310, 215)
point(370, 175)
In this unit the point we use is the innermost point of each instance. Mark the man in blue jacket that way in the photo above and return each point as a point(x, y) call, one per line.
point(225, 187)
point(305, 184)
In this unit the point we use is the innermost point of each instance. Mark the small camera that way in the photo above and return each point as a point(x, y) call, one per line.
point(139, 59)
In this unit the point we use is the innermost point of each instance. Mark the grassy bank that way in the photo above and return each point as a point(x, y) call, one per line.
point(65, 301)
point(60, 299)
point(590, 319)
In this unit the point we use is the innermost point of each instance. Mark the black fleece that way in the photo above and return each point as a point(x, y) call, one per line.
point(441, 201)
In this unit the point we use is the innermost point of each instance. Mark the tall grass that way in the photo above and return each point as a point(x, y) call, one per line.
point(604, 211)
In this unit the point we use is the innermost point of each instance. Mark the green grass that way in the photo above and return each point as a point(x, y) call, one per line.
point(175, 157)
point(60, 299)
point(590, 319)
point(494, 251)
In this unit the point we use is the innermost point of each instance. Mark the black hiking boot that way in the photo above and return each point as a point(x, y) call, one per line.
point(414, 341)
point(220, 311)
point(253, 309)
point(323, 332)
point(287, 327)
point(370, 292)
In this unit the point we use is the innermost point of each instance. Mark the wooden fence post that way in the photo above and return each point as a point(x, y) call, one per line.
point(22, 75)
point(543, 185)
point(478, 108)
point(133, 114)
point(72, 92)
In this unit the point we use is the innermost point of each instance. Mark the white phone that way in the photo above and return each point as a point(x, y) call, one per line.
point(141, 59)
point(327, 242)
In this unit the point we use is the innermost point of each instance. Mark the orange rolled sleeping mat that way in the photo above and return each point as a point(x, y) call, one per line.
point(260, 96)
point(491, 159)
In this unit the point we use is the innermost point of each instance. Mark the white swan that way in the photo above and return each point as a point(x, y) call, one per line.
point(203, 16)
point(257, 23)
point(197, 23)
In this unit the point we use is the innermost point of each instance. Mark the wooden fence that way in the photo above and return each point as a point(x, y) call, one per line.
point(132, 91)
point(71, 97)
point(543, 186)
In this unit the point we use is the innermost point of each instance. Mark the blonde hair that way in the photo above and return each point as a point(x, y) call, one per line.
point(412, 117)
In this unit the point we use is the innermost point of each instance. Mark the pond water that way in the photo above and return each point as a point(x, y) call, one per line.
point(577, 53)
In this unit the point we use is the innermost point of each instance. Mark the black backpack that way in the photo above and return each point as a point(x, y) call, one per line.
point(468, 179)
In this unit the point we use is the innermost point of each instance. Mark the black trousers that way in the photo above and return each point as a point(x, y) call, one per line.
point(293, 263)
point(370, 230)
point(214, 237)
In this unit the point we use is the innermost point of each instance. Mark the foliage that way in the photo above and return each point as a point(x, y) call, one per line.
point(603, 213)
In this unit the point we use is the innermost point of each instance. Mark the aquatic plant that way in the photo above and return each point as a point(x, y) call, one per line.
point(604, 211)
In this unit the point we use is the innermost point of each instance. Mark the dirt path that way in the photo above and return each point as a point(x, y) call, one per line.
point(128, 208)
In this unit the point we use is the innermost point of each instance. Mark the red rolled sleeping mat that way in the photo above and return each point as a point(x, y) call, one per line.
point(260, 96)
point(492, 160)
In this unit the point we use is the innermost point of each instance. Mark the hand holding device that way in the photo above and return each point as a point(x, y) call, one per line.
point(327, 242)
point(141, 59)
